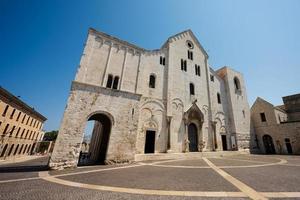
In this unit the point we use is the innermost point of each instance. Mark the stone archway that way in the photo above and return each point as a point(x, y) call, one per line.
point(193, 119)
point(99, 140)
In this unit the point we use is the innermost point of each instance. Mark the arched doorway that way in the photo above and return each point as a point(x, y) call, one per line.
point(193, 137)
point(96, 137)
point(268, 144)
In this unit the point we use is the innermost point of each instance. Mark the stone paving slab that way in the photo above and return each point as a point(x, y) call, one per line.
point(277, 178)
point(40, 189)
point(230, 162)
point(198, 162)
point(151, 177)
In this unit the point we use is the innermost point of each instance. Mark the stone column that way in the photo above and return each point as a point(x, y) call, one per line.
point(169, 146)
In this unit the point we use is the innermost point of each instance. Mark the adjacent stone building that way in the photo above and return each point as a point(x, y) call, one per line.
point(167, 100)
point(276, 129)
point(20, 127)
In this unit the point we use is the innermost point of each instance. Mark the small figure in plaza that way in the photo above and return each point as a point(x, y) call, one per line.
point(201, 145)
point(187, 145)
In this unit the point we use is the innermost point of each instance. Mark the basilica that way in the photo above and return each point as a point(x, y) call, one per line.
point(167, 100)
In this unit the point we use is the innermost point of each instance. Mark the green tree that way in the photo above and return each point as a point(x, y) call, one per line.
point(51, 135)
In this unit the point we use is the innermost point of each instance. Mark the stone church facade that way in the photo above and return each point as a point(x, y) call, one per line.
point(167, 100)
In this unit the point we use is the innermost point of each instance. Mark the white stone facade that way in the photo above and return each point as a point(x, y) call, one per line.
point(133, 107)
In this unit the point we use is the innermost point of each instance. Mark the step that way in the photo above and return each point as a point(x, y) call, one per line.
point(190, 155)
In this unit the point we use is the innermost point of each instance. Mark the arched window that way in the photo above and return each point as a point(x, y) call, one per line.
point(152, 81)
point(116, 82)
point(237, 84)
point(109, 81)
point(219, 98)
point(192, 89)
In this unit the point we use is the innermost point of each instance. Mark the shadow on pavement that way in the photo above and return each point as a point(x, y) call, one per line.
point(38, 164)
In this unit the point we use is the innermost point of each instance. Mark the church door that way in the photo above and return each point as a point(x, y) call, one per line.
point(150, 142)
point(269, 145)
point(193, 138)
point(224, 142)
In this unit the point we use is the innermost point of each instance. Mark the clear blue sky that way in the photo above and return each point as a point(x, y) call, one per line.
point(41, 42)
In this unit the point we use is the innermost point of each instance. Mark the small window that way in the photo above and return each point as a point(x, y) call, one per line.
point(22, 132)
point(12, 130)
point(12, 114)
point(219, 98)
point(263, 117)
point(212, 78)
point(18, 116)
point(244, 115)
point(237, 84)
point(5, 110)
point(162, 60)
point(116, 82)
point(189, 44)
point(152, 81)
point(190, 55)
point(109, 81)
point(18, 131)
point(23, 118)
point(192, 89)
point(197, 70)
point(31, 121)
point(5, 129)
point(183, 65)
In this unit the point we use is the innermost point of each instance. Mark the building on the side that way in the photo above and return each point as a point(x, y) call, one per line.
point(167, 100)
point(20, 127)
point(276, 129)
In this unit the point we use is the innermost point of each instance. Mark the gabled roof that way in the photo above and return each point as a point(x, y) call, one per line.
point(259, 99)
point(189, 31)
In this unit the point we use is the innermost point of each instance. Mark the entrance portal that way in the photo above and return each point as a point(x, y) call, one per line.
point(224, 142)
point(150, 142)
point(193, 137)
point(269, 145)
point(94, 147)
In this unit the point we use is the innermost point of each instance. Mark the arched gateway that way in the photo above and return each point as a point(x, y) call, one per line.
point(99, 140)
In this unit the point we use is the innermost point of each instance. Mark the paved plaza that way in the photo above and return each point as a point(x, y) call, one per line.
point(228, 177)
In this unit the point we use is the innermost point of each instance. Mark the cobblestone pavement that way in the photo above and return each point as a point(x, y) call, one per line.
point(230, 177)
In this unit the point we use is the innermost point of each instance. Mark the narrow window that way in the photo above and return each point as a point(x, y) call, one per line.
point(192, 89)
point(116, 81)
point(12, 113)
point(244, 115)
point(5, 129)
point(109, 81)
point(185, 67)
point(5, 111)
point(197, 70)
point(182, 64)
point(22, 132)
point(237, 84)
point(219, 98)
point(26, 134)
point(23, 118)
point(27, 120)
point(263, 117)
point(12, 130)
point(162, 60)
point(16, 149)
point(31, 121)
point(18, 131)
point(190, 55)
point(18, 116)
point(152, 81)
point(212, 78)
